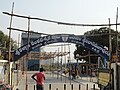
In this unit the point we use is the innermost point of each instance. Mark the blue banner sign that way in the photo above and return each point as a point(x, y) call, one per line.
point(57, 38)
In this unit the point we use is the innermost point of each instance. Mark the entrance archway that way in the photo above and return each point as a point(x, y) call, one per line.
point(61, 38)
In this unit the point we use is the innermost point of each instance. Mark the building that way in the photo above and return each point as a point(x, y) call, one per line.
point(33, 63)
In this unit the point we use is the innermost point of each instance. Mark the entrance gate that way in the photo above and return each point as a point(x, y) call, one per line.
point(59, 38)
point(67, 38)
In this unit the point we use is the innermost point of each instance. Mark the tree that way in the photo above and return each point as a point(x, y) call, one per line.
point(101, 37)
point(4, 43)
point(1, 39)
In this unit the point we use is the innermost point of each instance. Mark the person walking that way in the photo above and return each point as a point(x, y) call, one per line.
point(39, 78)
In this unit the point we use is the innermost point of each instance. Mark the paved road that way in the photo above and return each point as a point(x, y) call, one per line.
point(56, 82)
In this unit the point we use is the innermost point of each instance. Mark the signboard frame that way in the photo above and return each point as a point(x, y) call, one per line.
point(104, 77)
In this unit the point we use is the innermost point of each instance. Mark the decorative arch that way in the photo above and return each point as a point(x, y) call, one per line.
point(61, 38)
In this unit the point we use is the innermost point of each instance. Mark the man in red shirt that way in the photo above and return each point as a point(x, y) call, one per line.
point(40, 78)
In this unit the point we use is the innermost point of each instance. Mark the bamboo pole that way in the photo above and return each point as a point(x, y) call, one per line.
point(9, 51)
point(61, 61)
point(58, 22)
point(70, 66)
point(65, 61)
point(58, 65)
point(117, 35)
point(110, 50)
point(18, 62)
point(27, 56)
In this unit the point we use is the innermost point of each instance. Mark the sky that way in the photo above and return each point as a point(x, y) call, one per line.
point(71, 11)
